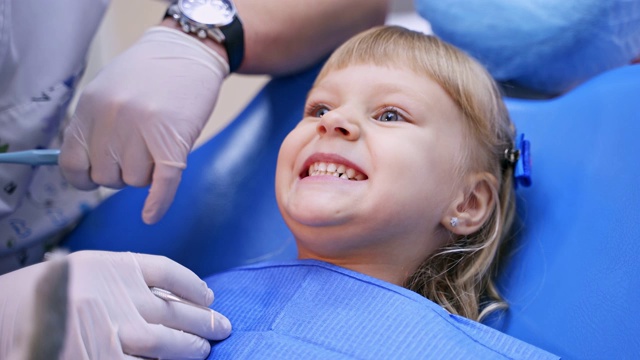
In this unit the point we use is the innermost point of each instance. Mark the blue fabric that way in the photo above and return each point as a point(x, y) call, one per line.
point(306, 309)
point(546, 45)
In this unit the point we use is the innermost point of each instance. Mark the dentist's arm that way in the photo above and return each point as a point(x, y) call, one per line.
point(285, 36)
point(137, 121)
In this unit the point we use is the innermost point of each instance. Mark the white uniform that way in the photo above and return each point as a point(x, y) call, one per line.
point(43, 48)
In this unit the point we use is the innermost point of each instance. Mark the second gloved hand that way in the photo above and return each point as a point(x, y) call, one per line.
point(111, 313)
point(137, 121)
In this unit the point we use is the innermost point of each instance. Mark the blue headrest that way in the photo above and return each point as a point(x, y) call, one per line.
point(572, 279)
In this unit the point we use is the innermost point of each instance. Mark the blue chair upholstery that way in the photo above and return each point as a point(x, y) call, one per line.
point(572, 278)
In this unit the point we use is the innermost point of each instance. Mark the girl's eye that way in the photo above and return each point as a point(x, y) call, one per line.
point(390, 115)
point(320, 111)
point(315, 110)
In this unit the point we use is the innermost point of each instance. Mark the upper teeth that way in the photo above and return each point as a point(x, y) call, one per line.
point(337, 170)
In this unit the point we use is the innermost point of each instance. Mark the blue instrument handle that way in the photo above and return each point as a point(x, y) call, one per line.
point(31, 157)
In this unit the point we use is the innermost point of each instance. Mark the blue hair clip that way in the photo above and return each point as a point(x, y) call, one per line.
point(520, 158)
point(522, 166)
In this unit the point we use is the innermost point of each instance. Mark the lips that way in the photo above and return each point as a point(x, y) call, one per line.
point(332, 165)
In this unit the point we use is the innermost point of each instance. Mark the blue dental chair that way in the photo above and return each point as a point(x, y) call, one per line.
point(572, 279)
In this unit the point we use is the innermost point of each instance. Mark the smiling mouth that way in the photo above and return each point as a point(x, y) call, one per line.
point(334, 169)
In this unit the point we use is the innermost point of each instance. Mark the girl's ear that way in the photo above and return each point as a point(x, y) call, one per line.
point(472, 205)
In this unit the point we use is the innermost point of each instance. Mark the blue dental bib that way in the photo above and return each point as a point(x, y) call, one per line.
point(307, 309)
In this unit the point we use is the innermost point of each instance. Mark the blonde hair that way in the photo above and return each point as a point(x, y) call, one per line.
point(459, 275)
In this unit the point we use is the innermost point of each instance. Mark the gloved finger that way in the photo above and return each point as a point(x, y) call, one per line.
point(74, 158)
point(105, 157)
point(193, 319)
point(105, 168)
point(167, 274)
point(137, 165)
point(160, 342)
point(166, 178)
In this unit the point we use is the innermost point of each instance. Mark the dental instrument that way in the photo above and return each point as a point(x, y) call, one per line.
point(169, 296)
point(31, 157)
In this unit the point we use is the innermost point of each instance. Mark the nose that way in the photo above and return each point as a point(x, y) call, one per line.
point(335, 124)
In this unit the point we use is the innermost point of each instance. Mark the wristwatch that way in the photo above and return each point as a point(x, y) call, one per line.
point(215, 19)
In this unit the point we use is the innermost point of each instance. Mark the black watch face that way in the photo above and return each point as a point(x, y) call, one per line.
point(209, 12)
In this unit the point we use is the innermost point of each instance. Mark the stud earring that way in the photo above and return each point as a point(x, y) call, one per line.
point(454, 221)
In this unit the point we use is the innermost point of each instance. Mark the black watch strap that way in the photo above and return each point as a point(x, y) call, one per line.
point(234, 43)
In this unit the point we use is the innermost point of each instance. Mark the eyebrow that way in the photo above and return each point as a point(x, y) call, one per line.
point(387, 88)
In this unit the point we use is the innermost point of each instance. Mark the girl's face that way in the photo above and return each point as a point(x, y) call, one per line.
point(368, 174)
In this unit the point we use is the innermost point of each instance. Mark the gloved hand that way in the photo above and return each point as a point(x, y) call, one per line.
point(137, 121)
point(112, 312)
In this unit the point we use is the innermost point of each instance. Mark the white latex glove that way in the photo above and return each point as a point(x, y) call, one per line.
point(137, 121)
point(112, 314)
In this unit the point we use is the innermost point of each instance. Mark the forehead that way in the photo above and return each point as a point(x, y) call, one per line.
point(379, 81)
point(374, 71)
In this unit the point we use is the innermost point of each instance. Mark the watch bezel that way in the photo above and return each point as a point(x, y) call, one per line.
point(226, 19)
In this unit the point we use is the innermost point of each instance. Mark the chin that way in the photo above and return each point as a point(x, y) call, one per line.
point(320, 218)
point(316, 210)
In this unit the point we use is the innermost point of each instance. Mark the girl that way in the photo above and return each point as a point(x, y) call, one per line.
point(399, 175)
